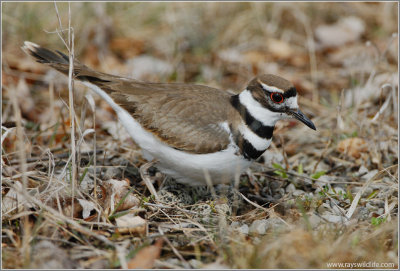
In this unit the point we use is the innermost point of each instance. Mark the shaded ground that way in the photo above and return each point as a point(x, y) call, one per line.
point(313, 199)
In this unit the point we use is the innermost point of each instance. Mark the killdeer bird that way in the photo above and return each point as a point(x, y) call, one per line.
point(191, 130)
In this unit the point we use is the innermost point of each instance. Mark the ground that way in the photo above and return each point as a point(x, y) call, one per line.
point(315, 199)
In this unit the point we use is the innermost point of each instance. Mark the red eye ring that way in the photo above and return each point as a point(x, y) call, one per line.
point(277, 97)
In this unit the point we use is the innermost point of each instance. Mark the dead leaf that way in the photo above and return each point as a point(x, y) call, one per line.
point(254, 57)
point(279, 49)
point(13, 202)
point(87, 207)
point(146, 257)
point(344, 31)
point(352, 146)
point(131, 224)
point(117, 190)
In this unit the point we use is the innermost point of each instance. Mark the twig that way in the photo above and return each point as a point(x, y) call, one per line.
point(385, 104)
point(61, 30)
point(253, 203)
point(23, 168)
point(176, 252)
point(322, 155)
point(146, 178)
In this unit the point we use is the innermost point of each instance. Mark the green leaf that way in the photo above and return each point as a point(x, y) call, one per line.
point(119, 214)
point(318, 174)
point(121, 201)
point(277, 166)
point(300, 169)
point(373, 194)
point(281, 173)
point(348, 194)
point(376, 221)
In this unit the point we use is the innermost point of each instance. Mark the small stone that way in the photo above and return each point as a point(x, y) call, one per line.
point(298, 192)
point(369, 175)
point(196, 264)
point(371, 207)
point(362, 170)
point(314, 220)
point(259, 226)
point(112, 172)
point(290, 188)
point(362, 213)
point(271, 157)
point(333, 218)
point(244, 229)
point(274, 223)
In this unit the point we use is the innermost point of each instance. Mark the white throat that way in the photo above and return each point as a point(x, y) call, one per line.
point(260, 113)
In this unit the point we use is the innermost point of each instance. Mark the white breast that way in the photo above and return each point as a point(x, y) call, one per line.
point(185, 167)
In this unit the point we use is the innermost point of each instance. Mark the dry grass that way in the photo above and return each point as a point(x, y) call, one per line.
point(327, 196)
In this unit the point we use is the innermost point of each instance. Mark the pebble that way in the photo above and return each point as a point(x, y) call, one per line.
point(333, 218)
point(244, 229)
point(290, 188)
point(369, 175)
point(314, 220)
point(261, 226)
point(273, 157)
point(298, 192)
point(371, 207)
point(362, 213)
point(258, 226)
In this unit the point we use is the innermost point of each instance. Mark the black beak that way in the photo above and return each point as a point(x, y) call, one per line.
point(301, 117)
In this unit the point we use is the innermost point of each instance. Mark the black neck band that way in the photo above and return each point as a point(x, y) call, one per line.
point(256, 126)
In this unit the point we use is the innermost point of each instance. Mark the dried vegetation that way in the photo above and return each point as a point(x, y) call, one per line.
point(314, 198)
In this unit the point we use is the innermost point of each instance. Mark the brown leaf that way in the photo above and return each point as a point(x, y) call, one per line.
point(116, 190)
point(131, 224)
point(346, 30)
point(352, 146)
point(279, 49)
point(146, 257)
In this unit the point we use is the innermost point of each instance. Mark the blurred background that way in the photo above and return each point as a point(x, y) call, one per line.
point(342, 58)
point(219, 43)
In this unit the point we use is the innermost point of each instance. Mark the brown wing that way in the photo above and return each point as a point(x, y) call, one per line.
point(187, 117)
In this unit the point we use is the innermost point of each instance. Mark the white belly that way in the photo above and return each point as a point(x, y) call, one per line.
point(185, 167)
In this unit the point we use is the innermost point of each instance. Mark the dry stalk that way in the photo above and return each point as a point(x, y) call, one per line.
point(311, 51)
point(25, 251)
point(146, 178)
point(70, 47)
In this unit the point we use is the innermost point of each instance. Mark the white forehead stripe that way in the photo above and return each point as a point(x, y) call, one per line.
point(259, 112)
point(292, 102)
point(258, 143)
point(271, 88)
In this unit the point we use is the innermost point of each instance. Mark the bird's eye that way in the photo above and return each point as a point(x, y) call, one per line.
point(277, 97)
